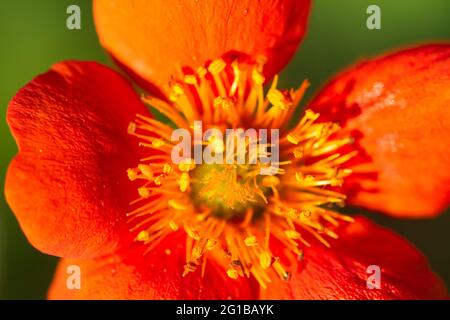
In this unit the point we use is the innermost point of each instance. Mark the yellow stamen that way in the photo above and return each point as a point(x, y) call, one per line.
point(132, 174)
point(265, 260)
point(176, 92)
point(250, 241)
point(233, 274)
point(231, 211)
point(217, 66)
point(184, 181)
point(176, 205)
point(142, 236)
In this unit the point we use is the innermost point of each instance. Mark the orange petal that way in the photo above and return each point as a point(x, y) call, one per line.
point(152, 39)
point(344, 270)
point(399, 108)
point(68, 185)
point(156, 275)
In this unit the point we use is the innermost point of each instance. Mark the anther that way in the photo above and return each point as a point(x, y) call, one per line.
point(292, 234)
point(257, 77)
point(190, 79)
point(293, 138)
point(176, 205)
point(144, 192)
point(131, 128)
point(142, 236)
point(132, 174)
point(176, 92)
point(183, 182)
point(265, 260)
point(173, 225)
point(167, 168)
point(280, 99)
point(224, 102)
point(157, 143)
point(146, 171)
point(232, 273)
point(217, 66)
point(250, 241)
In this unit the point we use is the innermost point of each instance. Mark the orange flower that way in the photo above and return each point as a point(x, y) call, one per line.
point(94, 183)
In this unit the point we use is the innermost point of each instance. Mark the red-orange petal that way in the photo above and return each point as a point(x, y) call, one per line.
point(344, 270)
point(156, 275)
point(68, 185)
point(398, 107)
point(153, 39)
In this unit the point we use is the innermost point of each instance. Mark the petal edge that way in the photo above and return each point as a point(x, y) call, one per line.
point(400, 106)
point(67, 186)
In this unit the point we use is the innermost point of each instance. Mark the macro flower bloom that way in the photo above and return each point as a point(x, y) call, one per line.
point(94, 183)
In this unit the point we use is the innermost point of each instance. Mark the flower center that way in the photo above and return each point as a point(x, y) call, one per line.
point(227, 190)
point(231, 210)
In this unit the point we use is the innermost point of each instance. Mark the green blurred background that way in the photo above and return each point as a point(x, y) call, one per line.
point(33, 36)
